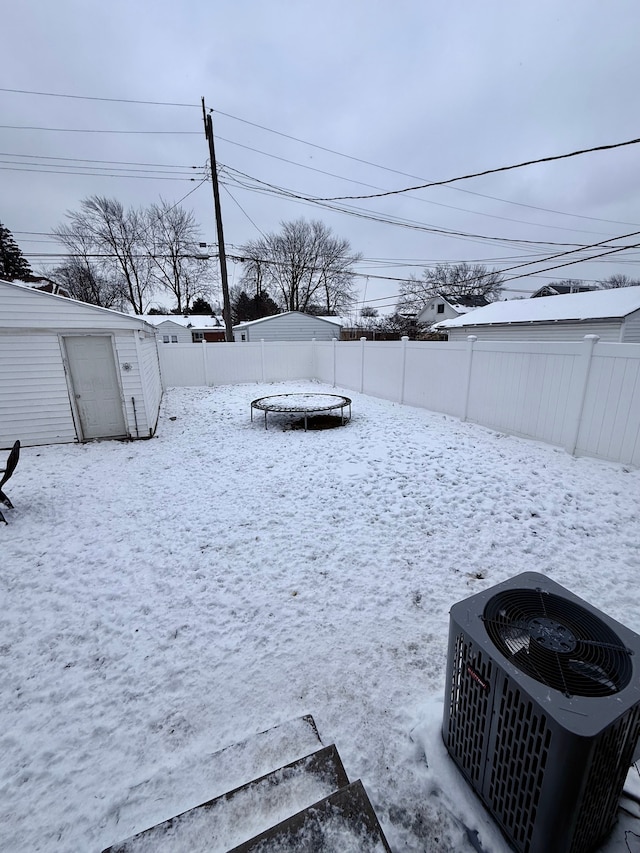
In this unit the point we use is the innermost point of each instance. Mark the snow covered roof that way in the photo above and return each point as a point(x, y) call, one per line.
point(596, 305)
point(335, 320)
point(190, 321)
point(464, 304)
point(68, 305)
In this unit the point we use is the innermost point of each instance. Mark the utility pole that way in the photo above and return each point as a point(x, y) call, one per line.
point(226, 302)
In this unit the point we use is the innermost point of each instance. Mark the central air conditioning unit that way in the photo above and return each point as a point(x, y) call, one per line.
point(542, 711)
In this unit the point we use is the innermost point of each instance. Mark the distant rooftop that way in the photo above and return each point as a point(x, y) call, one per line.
point(188, 321)
point(595, 305)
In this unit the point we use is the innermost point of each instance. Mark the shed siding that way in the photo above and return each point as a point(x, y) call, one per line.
point(23, 308)
point(631, 329)
point(34, 400)
point(607, 332)
point(290, 327)
point(151, 380)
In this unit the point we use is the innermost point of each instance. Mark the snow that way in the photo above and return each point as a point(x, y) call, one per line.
point(162, 600)
point(188, 321)
point(598, 304)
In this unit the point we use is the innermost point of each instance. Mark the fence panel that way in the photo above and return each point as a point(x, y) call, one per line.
point(324, 356)
point(435, 376)
point(181, 365)
point(349, 364)
point(382, 369)
point(288, 360)
point(610, 426)
point(230, 363)
point(525, 388)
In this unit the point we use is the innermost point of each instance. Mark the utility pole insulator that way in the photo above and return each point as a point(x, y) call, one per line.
point(226, 302)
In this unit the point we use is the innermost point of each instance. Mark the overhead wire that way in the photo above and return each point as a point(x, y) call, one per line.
point(308, 143)
point(408, 175)
point(94, 98)
point(415, 198)
point(493, 171)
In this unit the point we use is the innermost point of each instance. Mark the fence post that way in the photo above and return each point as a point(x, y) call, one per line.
point(262, 373)
point(335, 344)
point(362, 343)
point(314, 359)
point(471, 339)
point(582, 382)
point(204, 362)
point(404, 340)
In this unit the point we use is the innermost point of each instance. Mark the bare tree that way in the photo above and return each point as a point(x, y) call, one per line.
point(85, 281)
point(451, 280)
point(618, 280)
point(178, 265)
point(301, 266)
point(116, 238)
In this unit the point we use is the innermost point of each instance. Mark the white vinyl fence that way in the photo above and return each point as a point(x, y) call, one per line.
point(583, 396)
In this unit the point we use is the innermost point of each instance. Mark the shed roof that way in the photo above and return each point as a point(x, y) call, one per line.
point(596, 305)
point(59, 310)
point(335, 321)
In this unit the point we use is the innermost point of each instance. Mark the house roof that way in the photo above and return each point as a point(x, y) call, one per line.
point(190, 321)
point(557, 289)
point(335, 321)
point(463, 304)
point(595, 305)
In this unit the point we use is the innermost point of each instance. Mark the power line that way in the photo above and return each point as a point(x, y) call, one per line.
point(84, 160)
point(408, 175)
point(82, 169)
point(99, 130)
point(365, 214)
point(416, 198)
point(92, 98)
point(486, 172)
point(149, 177)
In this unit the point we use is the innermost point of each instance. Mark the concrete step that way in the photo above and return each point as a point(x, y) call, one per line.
point(208, 776)
point(343, 822)
point(231, 819)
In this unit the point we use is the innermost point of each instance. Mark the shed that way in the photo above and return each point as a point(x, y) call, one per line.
point(187, 328)
point(70, 371)
point(613, 315)
point(290, 326)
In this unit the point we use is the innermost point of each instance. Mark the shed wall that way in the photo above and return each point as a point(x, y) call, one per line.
point(607, 332)
point(631, 329)
point(290, 327)
point(34, 399)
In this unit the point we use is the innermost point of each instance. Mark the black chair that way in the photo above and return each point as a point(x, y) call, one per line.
point(12, 461)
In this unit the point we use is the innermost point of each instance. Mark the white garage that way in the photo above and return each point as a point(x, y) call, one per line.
point(70, 371)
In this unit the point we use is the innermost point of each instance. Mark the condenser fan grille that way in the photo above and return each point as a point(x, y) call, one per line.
point(558, 642)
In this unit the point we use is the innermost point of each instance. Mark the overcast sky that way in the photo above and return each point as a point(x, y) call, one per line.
point(335, 99)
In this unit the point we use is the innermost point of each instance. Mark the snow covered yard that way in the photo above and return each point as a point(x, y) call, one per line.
point(164, 599)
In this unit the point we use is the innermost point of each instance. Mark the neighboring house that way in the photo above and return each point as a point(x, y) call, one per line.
point(613, 315)
point(291, 326)
point(186, 328)
point(70, 371)
point(40, 282)
point(561, 289)
point(442, 307)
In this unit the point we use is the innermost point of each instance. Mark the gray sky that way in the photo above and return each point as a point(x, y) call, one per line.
point(419, 90)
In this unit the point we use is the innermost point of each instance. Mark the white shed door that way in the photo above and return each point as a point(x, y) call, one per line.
point(95, 386)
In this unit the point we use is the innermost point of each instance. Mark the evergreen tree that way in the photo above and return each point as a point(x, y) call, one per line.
point(201, 306)
point(13, 264)
point(244, 307)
